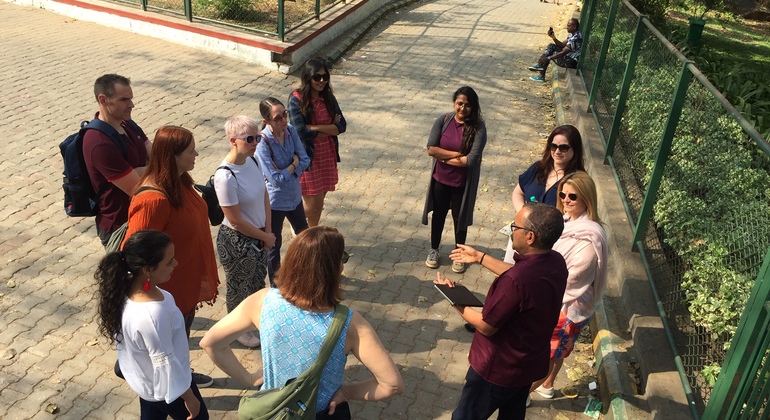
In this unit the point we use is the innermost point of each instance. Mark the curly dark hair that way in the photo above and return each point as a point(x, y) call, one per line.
point(545, 165)
point(117, 271)
point(546, 222)
point(472, 121)
point(310, 68)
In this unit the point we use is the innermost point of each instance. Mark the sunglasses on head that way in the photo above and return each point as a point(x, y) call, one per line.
point(250, 139)
point(318, 77)
point(562, 147)
point(572, 196)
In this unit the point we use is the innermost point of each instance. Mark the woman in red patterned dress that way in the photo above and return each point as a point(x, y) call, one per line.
point(315, 113)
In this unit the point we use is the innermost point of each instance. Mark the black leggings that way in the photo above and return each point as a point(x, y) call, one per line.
point(445, 198)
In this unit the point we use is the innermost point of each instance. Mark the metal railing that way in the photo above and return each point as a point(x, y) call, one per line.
point(269, 17)
point(695, 181)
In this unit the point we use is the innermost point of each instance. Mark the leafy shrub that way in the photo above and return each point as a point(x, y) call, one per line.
point(239, 10)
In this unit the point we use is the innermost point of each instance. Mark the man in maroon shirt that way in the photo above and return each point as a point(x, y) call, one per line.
point(511, 346)
point(114, 172)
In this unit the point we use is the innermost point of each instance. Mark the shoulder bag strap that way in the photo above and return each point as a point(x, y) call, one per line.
point(340, 316)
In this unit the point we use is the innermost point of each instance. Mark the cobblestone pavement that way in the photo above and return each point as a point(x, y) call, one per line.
point(391, 86)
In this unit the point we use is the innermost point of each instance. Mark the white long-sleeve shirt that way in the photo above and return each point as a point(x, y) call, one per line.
point(154, 355)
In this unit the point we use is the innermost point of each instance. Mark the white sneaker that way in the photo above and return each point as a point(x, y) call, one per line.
point(248, 339)
point(432, 260)
point(458, 267)
point(545, 392)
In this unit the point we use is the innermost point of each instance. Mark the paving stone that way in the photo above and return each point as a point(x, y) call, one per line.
point(391, 85)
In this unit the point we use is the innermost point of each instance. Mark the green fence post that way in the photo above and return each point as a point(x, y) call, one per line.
point(281, 27)
point(144, 5)
point(586, 31)
point(188, 9)
point(584, 10)
point(663, 150)
point(624, 87)
point(603, 52)
point(734, 381)
point(317, 9)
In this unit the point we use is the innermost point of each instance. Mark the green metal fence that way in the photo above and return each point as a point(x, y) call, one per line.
point(695, 180)
point(268, 17)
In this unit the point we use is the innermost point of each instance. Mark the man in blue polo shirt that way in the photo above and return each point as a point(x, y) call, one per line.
point(511, 345)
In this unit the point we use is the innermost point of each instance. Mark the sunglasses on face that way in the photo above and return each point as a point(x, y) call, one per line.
point(250, 139)
point(318, 77)
point(564, 148)
point(514, 227)
point(281, 117)
point(345, 257)
point(572, 196)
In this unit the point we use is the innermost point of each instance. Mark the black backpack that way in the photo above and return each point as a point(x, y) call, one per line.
point(80, 199)
point(209, 195)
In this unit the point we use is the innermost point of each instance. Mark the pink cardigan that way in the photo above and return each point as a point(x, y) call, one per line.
point(583, 244)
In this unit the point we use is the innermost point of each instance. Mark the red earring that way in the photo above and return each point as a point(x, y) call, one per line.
point(146, 285)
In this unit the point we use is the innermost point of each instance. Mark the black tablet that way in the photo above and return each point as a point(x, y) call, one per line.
point(458, 295)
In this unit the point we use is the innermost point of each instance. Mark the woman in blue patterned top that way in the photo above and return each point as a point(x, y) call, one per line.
point(294, 320)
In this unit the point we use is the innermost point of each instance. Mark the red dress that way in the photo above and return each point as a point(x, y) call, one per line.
point(322, 176)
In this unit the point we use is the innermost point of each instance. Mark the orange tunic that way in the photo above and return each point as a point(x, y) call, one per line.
point(195, 279)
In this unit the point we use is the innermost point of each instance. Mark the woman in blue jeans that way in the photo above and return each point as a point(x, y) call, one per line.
point(282, 159)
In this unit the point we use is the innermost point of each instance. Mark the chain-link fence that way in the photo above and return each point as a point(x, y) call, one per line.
point(269, 17)
point(695, 179)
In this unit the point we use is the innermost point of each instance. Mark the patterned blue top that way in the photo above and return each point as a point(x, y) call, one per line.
point(291, 340)
point(574, 42)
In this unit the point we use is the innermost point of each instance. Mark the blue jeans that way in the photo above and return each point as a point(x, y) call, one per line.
point(298, 222)
point(160, 410)
point(480, 399)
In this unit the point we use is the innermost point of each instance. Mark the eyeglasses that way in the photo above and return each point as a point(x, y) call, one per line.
point(572, 196)
point(564, 148)
point(280, 117)
point(514, 227)
point(250, 139)
point(345, 257)
point(321, 76)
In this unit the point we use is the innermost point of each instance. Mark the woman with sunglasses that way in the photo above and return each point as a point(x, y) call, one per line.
point(455, 143)
point(563, 154)
point(282, 159)
point(169, 203)
point(583, 244)
point(245, 234)
point(144, 322)
point(294, 319)
point(316, 115)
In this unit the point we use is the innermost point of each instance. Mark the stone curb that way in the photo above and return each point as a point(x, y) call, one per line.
point(611, 382)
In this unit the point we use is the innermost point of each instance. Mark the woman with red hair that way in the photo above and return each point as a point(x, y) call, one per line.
point(166, 201)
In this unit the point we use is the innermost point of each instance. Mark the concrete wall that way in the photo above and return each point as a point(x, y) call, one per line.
point(220, 40)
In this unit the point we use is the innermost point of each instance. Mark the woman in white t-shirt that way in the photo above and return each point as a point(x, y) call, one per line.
point(244, 236)
point(148, 327)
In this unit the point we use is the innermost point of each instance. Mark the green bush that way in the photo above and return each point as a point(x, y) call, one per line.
point(237, 10)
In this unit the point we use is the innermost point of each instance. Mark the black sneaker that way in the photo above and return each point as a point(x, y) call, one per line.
point(201, 380)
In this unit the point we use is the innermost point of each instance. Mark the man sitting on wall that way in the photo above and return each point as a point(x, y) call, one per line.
point(564, 54)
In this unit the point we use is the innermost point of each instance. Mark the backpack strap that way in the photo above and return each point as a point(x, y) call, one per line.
point(340, 315)
point(110, 132)
point(138, 130)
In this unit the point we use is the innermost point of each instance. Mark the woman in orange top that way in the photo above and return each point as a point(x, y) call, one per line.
point(171, 205)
